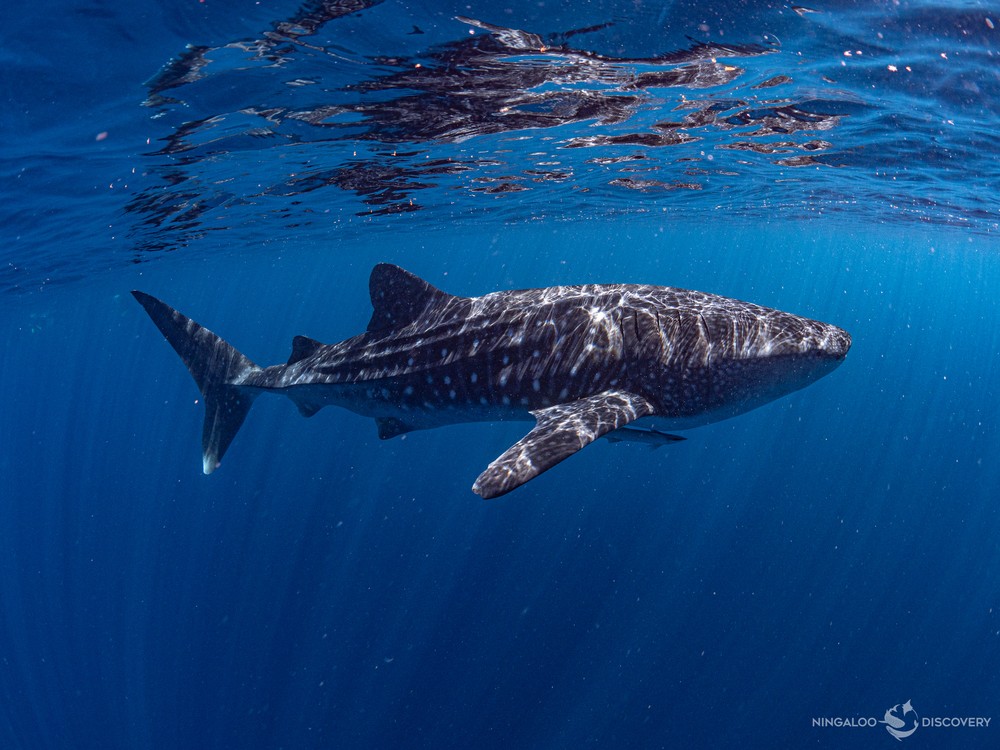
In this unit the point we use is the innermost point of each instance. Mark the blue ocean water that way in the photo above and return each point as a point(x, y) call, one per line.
point(829, 556)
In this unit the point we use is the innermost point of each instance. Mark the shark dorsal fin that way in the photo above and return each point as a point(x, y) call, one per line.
point(302, 347)
point(398, 297)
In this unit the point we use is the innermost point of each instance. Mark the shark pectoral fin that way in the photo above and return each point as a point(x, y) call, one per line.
point(561, 431)
point(390, 427)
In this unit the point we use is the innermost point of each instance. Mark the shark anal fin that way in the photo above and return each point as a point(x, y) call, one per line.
point(561, 431)
point(302, 347)
point(390, 427)
point(399, 297)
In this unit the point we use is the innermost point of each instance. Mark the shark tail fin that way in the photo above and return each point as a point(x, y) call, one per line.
point(217, 368)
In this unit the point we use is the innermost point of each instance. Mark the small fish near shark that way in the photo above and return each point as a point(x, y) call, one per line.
point(646, 436)
point(582, 361)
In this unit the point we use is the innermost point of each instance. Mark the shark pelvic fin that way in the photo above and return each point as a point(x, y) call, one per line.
point(399, 297)
point(307, 409)
point(217, 368)
point(561, 431)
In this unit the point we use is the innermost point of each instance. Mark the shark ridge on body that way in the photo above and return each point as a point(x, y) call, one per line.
point(582, 361)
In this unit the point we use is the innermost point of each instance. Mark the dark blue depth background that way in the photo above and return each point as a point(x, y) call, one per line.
point(831, 554)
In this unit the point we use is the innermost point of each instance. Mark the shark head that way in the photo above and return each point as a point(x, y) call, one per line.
point(721, 357)
point(756, 356)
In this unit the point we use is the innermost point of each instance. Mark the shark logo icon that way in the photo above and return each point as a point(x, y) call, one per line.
point(901, 721)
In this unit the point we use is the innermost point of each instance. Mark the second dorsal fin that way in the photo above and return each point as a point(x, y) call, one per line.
point(399, 297)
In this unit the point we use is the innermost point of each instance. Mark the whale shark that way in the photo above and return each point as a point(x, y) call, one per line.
point(581, 361)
